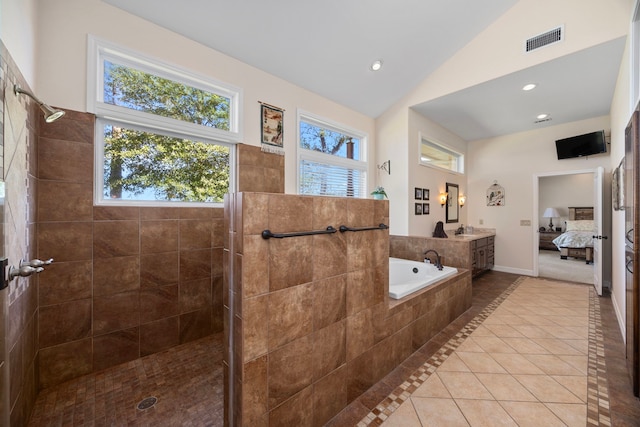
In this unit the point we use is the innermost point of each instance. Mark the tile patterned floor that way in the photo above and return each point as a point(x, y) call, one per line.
point(534, 356)
point(187, 381)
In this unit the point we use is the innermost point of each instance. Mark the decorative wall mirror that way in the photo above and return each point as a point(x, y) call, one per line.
point(452, 203)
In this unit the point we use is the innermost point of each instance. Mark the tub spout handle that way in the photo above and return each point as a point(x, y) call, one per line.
point(438, 261)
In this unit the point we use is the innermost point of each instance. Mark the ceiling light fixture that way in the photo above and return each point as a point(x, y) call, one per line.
point(542, 116)
point(529, 87)
point(376, 65)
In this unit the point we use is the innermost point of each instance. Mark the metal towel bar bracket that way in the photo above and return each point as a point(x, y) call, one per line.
point(344, 228)
point(267, 234)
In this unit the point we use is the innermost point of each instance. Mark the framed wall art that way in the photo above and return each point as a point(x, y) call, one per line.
point(271, 128)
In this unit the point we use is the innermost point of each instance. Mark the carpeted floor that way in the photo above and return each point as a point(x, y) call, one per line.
point(550, 266)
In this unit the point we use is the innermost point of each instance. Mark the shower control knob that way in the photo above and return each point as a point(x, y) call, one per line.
point(23, 271)
point(36, 262)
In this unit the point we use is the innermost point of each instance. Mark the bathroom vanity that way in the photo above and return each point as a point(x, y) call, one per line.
point(474, 252)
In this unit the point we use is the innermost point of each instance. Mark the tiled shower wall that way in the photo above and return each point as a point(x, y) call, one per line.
point(311, 322)
point(298, 305)
point(127, 281)
point(18, 373)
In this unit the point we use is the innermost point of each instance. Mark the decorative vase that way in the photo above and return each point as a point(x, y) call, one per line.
point(378, 196)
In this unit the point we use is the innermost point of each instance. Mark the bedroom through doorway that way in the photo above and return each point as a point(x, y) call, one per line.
point(562, 253)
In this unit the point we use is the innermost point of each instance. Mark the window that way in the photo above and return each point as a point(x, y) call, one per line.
point(439, 156)
point(330, 158)
point(163, 135)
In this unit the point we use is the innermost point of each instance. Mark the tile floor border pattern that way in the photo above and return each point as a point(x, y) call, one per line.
point(598, 413)
point(598, 410)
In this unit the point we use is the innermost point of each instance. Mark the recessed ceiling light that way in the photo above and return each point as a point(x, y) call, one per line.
point(529, 86)
point(376, 65)
point(542, 116)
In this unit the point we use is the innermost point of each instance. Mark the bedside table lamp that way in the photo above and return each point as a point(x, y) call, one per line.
point(551, 213)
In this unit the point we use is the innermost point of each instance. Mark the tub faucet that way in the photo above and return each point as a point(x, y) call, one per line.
point(438, 262)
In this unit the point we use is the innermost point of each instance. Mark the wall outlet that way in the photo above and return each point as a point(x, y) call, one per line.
point(481, 222)
point(525, 222)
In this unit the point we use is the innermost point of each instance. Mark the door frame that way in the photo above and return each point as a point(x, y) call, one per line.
point(536, 199)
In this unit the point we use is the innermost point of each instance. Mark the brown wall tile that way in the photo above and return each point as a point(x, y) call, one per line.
point(158, 236)
point(329, 256)
point(329, 301)
point(65, 160)
point(116, 213)
point(255, 327)
point(64, 362)
point(329, 396)
point(255, 265)
point(159, 335)
point(159, 269)
point(255, 391)
point(195, 295)
point(115, 238)
point(115, 348)
point(158, 303)
point(159, 213)
point(290, 370)
point(195, 234)
point(65, 281)
point(290, 315)
point(65, 201)
point(115, 275)
point(329, 349)
point(194, 325)
point(65, 241)
point(195, 264)
point(70, 321)
point(290, 262)
point(116, 312)
point(293, 412)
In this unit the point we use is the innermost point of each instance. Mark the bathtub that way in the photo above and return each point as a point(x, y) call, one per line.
point(406, 277)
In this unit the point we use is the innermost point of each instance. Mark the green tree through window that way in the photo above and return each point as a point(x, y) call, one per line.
point(150, 164)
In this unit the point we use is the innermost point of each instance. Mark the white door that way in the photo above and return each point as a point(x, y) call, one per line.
point(598, 187)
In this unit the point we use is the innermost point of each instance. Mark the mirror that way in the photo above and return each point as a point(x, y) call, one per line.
point(452, 203)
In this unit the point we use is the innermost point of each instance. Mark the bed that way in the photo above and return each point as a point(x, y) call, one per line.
point(577, 240)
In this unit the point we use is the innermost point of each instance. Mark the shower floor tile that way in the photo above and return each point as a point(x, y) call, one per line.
point(187, 382)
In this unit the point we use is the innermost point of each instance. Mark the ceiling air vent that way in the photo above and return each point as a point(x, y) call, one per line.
point(545, 39)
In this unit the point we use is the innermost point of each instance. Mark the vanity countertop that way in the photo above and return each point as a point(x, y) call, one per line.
point(478, 233)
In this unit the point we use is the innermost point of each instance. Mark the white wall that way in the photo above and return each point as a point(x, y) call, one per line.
point(621, 109)
point(495, 52)
point(18, 33)
point(432, 178)
point(62, 65)
point(562, 192)
point(513, 160)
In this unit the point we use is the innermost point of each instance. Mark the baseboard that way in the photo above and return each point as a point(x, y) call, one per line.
point(621, 322)
point(512, 270)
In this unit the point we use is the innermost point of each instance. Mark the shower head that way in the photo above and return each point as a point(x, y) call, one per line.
point(50, 114)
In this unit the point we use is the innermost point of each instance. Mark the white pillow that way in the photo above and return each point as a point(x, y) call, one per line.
point(582, 225)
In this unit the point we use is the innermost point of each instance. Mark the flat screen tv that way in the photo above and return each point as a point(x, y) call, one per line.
point(581, 145)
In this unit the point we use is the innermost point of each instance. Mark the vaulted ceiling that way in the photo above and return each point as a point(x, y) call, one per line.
point(327, 47)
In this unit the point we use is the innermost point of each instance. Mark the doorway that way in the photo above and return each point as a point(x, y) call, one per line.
point(561, 190)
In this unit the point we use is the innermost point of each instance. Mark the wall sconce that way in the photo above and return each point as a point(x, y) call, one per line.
point(462, 200)
point(50, 114)
point(443, 199)
point(386, 166)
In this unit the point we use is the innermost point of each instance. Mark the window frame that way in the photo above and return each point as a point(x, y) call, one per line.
point(361, 165)
point(101, 50)
point(445, 148)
